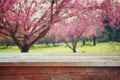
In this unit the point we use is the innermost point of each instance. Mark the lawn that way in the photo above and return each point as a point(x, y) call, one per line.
point(109, 47)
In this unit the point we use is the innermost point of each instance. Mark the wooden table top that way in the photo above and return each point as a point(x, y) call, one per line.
point(49, 59)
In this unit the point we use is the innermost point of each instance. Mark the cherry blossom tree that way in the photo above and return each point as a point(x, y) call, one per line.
point(71, 32)
point(93, 26)
point(111, 13)
point(27, 21)
point(85, 23)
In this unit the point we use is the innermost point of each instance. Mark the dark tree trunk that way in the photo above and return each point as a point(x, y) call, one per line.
point(110, 37)
point(53, 44)
point(94, 40)
point(74, 44)
point(73, 47)
point(83, 42)
point(47, 43)
point(25, 49)
point(7, 44)
point(74, 50)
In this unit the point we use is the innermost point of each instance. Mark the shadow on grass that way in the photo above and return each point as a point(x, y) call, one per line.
point(4, 47)
point(87, 45)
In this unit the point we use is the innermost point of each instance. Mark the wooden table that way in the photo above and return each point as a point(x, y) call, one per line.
point(59, 67)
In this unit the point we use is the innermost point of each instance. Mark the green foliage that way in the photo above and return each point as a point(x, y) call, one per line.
point(109, 34)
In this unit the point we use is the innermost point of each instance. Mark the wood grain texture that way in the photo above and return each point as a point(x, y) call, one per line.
point(59, 73)
point(58, 60)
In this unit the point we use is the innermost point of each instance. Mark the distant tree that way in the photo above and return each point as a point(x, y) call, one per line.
point(70, 33)
point(83, 41)
point(111, 34)
point(85, 23)
point(4, 41)
point(47, 40)
point(111, 19)
point(111, 13)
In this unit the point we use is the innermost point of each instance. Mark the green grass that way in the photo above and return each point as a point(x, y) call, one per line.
point(110, 47)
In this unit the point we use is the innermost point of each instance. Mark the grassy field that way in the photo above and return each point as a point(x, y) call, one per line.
point(110, 47)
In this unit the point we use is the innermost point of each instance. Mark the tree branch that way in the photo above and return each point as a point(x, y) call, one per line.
point(42, 34)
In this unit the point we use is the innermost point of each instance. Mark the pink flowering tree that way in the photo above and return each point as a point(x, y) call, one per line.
point(85, 23)
point(93, 25)
point(71, 32)
point(27, 21)
point(5, 5)
point(111, 13)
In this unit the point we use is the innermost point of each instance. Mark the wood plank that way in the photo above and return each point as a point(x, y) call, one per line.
point(59, 73)
point(57, 60)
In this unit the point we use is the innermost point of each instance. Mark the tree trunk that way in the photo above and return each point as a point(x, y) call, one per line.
point(83, 42)
point(53, 44)
point(47, 43)
point(74, 44)
point(7, 44)
point(110, 37)
point(74, 50)
point(94, 40)
point(25, 49)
